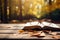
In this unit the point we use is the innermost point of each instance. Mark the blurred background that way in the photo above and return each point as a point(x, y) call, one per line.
point(17, 11)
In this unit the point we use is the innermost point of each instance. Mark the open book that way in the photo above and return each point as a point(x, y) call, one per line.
point(42, 25)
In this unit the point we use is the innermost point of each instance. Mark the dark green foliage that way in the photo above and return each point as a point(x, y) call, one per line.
point(55, 15)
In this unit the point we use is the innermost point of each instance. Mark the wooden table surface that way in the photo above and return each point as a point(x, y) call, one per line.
point(10, 31)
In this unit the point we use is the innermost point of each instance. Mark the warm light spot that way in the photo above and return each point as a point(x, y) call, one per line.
point(31, 5)
point(22, 7)
point(55, 1)
point(38, 16)
point(14, 21)
point(38, 6)
point(16, 7)
point(8, 11)
point(23, 1)
point(35, 3)
point(52, 0)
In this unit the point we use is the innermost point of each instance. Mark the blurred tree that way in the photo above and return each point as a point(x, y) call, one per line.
point(5, 20)
point(4, 11)
point(0, 9)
